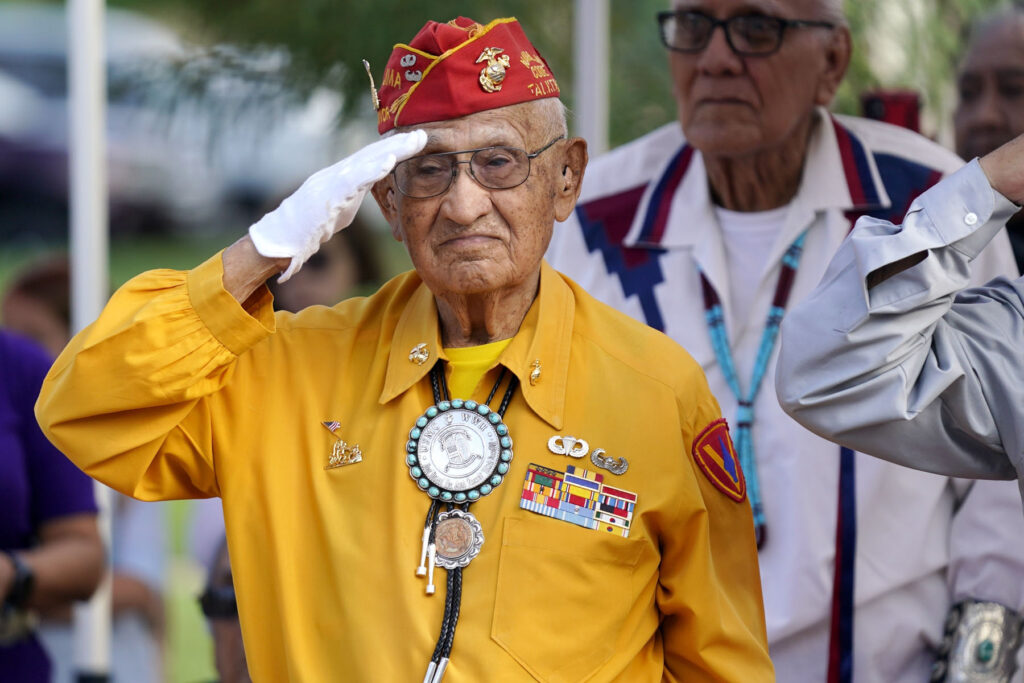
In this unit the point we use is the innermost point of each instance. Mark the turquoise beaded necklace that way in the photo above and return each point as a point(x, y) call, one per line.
point(714, 317)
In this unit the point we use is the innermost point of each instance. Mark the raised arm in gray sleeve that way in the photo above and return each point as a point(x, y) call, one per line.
point(899, 369)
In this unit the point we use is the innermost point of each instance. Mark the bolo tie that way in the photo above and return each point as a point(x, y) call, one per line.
point(458, 451)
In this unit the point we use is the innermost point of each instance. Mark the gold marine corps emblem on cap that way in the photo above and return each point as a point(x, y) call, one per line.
point(493, 74)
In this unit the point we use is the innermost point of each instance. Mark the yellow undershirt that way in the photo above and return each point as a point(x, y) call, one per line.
point(469, 365)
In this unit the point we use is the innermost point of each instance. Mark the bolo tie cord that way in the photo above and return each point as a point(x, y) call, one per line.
point(453, 589)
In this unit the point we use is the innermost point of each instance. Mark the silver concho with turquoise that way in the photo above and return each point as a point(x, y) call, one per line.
point(458, 451)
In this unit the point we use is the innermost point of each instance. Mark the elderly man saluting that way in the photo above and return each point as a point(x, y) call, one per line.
point(566, 467)
point(710, 230)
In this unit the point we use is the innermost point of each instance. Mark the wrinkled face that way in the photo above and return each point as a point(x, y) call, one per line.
point(735, 106)
point(471, 239)
point(990, 85)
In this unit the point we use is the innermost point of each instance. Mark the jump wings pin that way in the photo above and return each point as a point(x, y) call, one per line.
point(341, 453)
point(568, 445)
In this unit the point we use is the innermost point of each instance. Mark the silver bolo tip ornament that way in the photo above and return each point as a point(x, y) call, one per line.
point(431, 559)
point(422, 569)
point(435, 671)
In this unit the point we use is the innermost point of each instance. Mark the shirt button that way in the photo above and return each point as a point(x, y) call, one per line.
point(971, 218)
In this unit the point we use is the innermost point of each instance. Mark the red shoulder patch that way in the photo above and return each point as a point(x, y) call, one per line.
point(715, 456)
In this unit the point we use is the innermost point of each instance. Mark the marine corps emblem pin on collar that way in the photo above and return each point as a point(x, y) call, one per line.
point(419, 354)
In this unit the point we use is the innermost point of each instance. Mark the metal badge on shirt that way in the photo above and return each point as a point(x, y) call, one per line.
point(341, 452)
point(578, 448)
point(578, 496)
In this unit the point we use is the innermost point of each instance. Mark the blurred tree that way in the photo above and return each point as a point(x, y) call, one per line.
point(326, 41)
point(911, 44)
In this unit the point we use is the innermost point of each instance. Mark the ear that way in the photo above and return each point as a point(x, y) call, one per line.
point(384, 193)
point(569, 182)
point(837, 59)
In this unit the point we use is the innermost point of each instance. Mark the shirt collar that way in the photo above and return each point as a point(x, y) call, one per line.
point(854, 184)
point(840, 172)
point(538, 350)
point(415, 345)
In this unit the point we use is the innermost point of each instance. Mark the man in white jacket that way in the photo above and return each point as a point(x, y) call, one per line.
point(709, 231)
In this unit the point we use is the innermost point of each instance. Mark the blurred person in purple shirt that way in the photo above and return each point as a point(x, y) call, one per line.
point(37, 304)
point(50, 549)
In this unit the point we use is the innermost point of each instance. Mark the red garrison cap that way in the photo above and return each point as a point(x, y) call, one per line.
point(459, 68)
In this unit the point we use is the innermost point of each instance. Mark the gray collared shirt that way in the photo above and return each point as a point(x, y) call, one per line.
point(912, 369)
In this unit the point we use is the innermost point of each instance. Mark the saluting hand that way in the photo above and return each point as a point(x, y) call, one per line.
point(328, 201)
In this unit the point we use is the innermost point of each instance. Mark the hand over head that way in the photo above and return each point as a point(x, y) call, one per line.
point(328, 201)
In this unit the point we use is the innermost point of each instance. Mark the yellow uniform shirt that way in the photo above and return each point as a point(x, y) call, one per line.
point(177, 391)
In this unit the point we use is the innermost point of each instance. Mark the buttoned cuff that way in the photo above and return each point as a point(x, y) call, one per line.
point(966, 211)
point(237, 328)
point(950, 223)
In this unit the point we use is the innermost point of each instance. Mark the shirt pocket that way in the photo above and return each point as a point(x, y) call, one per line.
point(563, 592)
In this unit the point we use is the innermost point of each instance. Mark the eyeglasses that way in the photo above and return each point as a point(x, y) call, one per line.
point(749, 35)
point(496, 168)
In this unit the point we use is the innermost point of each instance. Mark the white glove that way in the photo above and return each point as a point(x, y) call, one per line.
point(328, 201)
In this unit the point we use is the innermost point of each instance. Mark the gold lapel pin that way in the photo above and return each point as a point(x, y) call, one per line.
point(419, 354)
point(341, 453)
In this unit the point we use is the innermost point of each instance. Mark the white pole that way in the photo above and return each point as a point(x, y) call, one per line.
point(87, 88)
point(590, 47)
